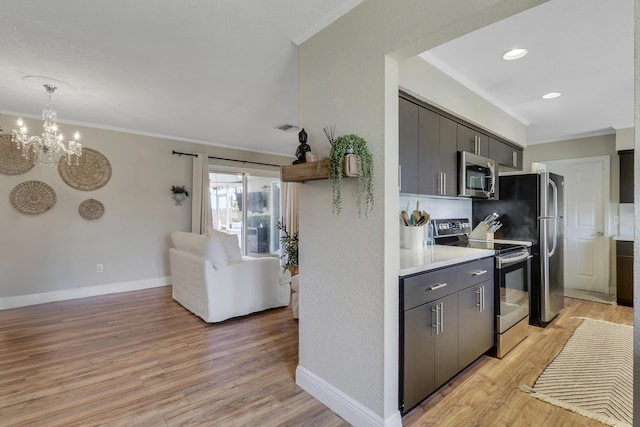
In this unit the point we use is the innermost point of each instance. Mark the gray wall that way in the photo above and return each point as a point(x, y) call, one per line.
point(58, 250)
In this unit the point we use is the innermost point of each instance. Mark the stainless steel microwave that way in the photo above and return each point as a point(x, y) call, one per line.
point(476, 176)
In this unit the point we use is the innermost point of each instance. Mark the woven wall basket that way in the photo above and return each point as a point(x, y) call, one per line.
point(11, 160)
point(32, 197)
point(92, 172)
point(91, 209)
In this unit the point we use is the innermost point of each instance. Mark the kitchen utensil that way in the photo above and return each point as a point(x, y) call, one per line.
point(421, 221)
point(417, 214)
point(405, 217)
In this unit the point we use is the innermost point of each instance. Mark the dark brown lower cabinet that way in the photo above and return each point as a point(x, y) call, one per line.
point(446, 322)
point(624, 272)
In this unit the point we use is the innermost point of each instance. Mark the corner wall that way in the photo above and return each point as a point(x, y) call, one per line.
point(349, 265)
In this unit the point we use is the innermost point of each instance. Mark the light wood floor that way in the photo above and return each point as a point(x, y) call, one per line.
point(140, 359)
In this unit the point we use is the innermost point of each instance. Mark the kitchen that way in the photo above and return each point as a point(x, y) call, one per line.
point(546, 293)
point(344, 286)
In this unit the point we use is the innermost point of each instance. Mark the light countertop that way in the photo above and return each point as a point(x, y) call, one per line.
point(623, 238)
point(436, 256)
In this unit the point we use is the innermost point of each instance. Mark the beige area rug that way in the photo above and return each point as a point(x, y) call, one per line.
point(593, 374)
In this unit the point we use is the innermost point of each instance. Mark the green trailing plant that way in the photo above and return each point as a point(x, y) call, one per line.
point(289, 244)
point(364, 196)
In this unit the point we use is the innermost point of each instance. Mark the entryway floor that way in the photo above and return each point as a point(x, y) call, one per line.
point(590, 296)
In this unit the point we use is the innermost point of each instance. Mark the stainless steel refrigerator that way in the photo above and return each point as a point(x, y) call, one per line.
point(531, 208)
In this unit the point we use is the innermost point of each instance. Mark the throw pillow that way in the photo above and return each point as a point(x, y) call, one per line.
point(218, 255)
point(230, 242)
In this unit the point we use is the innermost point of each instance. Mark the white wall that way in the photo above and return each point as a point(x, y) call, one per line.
point(424, 81)
point(349, 267)
point(625, 139)
point(54, 255)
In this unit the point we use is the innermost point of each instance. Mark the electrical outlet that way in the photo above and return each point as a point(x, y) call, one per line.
point(99, 268)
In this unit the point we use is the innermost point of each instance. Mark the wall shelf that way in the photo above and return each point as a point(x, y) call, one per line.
point(310, 172)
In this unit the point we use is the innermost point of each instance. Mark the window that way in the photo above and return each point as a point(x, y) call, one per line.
point(247, 204)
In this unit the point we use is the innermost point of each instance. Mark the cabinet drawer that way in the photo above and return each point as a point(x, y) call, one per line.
point(429, 286)
point(478, 271)
point(624, 248)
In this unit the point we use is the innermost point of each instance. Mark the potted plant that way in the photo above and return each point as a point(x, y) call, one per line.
point(352, 144)
point(179, 193)
point(289, 244)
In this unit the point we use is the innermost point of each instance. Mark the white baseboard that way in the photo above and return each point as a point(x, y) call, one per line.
point(89, 291)
point(352, 411)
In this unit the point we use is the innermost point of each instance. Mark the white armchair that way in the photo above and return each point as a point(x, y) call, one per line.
point(215, 282)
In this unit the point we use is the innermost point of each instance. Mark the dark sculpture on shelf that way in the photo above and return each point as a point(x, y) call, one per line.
point(303, 148)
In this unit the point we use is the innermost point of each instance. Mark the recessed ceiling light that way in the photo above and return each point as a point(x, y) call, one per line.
point(551, 95)
point(514, 54)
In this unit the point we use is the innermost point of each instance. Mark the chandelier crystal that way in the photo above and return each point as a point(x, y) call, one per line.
point(50, 147)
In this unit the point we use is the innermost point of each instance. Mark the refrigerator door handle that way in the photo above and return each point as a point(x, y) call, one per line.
point(555, 237)
point(555, 197)
point(555, 215)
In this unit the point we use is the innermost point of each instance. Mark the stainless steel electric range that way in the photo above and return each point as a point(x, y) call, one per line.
point(512, 279)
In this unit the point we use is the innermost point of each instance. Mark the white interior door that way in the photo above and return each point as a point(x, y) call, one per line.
point(586, 255)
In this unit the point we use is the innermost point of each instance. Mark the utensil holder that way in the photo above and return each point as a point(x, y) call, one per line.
point(411, 237)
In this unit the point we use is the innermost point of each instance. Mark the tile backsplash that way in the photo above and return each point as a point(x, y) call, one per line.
point(625, 227)
point(437, 207)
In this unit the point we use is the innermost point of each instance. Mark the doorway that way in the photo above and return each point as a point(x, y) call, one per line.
point(586, 234)
point(247, 204)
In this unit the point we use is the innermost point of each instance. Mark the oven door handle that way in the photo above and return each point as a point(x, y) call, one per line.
point(507, 261)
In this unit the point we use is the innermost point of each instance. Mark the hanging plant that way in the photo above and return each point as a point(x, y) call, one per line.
point(358, 146)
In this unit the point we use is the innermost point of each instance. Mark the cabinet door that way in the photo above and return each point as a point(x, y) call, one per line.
point(430, 169)
point(505, 155)
point(472, 141)
point(448, 156)
point(624, 273)
point(446, 339)
point(419, 334)
point(626, 176)
point(477, 329)
point(408, 146)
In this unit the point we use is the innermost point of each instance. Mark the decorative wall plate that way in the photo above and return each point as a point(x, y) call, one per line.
point(91, 209)
point(11, 160)
point(32, 197)
point(93, 171)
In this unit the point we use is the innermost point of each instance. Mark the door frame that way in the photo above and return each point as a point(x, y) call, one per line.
point(606, 194)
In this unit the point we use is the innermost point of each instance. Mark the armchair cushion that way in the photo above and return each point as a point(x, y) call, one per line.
point(230, 243)
point(210, 248)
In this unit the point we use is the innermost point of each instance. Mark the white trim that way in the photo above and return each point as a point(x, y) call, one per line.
point(353, 412)
point(89, 291)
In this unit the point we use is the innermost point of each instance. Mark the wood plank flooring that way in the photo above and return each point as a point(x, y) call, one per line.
point(140, 359)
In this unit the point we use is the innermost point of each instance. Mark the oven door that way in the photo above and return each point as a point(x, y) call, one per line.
point(476, 176)
point(513, 277)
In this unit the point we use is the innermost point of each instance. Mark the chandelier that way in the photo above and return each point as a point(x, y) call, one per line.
point(48, 148)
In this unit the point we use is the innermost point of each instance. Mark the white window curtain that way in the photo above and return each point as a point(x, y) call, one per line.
point(201, 217)
point(290, 206)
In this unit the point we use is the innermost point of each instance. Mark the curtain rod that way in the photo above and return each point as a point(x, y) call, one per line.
point(224, 158)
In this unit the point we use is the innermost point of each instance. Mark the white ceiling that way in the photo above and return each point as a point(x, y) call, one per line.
point(225, 72)
point(581, 48)
point(218, 72)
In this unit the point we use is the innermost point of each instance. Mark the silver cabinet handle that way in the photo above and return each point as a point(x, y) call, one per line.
point(441, 317)
point(444, 183)
point(514, 158)
point(437, 325)
point(479, 299)
point(475, 145)
point(478, 272)
point(482, 298)
point(434, 287)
